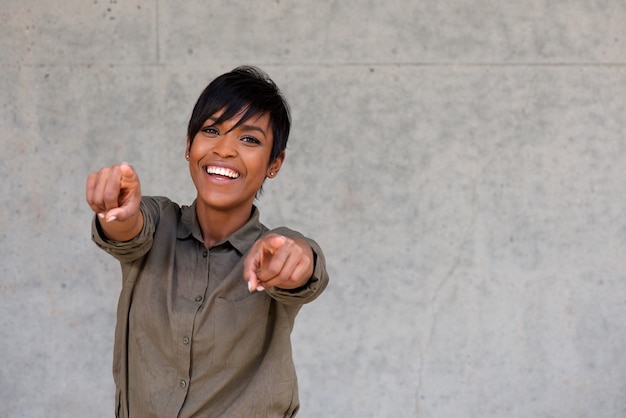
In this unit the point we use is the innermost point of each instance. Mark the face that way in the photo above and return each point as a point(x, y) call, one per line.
point(229, 164)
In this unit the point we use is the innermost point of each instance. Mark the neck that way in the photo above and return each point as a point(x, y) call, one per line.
point(216, 225)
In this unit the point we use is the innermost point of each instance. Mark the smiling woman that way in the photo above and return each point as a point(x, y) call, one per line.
point(214, 293)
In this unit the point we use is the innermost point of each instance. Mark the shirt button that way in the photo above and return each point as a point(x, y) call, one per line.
point(186, 340)
point(205, 253)
point(183, 384)
point(198, 298)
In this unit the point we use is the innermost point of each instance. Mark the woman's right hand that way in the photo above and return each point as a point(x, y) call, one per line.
point(114, 194)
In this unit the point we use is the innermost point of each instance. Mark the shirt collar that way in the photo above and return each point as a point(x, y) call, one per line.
point(241, 240)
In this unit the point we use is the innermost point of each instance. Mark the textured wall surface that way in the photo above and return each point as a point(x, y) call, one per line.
point(463, 164)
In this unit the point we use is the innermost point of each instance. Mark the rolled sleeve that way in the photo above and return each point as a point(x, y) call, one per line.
point(126, 251)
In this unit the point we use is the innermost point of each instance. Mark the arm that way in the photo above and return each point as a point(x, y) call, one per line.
point(114, 194)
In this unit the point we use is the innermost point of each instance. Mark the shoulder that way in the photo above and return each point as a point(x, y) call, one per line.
point(284, 231)
point(156, 209)
point(158, 204)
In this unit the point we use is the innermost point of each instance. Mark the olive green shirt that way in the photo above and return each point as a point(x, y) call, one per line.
point(191, 340)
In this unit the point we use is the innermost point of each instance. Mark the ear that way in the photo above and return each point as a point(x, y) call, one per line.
point(275, 165)
point(187, 149)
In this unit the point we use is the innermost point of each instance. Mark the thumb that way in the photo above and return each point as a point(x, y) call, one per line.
point(122, 213)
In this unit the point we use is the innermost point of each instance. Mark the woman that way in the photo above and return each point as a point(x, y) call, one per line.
point(209, 294)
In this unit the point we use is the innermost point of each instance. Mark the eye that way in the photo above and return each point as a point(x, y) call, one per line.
point(210, 130)
point(250, 140)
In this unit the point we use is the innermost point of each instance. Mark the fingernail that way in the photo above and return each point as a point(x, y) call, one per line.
point(249, 286)
point(111, 218)
point(260, 288)
point(101, 215)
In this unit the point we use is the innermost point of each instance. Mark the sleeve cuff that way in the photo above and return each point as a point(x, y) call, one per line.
point(124, 250)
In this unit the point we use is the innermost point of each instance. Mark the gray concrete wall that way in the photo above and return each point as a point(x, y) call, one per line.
point(463, 164)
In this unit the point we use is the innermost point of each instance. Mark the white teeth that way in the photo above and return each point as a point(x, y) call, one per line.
point(221, 171)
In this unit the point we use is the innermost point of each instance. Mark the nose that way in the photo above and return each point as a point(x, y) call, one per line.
point(225, 146)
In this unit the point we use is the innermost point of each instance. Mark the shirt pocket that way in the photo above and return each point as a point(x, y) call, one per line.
point(241, 330)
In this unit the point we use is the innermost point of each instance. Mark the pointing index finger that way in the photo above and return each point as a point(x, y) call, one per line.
point(274, 242)
point(262, 251)
point(128, 173)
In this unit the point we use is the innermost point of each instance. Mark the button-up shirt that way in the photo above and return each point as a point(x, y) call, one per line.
point(191, 340)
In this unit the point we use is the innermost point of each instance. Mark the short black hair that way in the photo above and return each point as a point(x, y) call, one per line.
point(249, 90)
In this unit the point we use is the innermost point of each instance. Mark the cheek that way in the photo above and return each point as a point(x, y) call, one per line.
point(261, 170)
point(198, 148)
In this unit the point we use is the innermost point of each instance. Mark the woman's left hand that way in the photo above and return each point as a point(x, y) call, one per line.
point(275, 260)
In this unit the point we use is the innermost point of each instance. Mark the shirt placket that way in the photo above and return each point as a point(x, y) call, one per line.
point(193, 299)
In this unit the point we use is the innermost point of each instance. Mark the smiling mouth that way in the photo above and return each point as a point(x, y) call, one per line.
point(222, 172)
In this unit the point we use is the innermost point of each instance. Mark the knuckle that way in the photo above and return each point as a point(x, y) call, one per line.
point(110, 196)
point(272, 271)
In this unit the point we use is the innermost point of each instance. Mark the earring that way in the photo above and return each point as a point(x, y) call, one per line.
point(187, 156)
point(271, 174)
